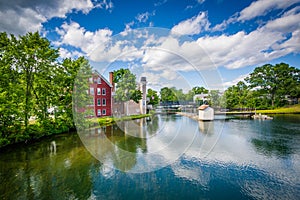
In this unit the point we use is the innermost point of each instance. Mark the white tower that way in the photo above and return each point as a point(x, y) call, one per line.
point(143, 105)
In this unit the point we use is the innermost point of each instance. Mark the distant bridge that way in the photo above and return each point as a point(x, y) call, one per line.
point(166, 111)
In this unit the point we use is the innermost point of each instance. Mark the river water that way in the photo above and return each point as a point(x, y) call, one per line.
point(163, 157)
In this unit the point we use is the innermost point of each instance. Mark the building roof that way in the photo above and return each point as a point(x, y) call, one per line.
point(102, 77)
point(203, 107)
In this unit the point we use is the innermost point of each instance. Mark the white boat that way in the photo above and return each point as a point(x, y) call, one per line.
point(260, 116)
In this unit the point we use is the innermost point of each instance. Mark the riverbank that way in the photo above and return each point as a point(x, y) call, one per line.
point(35, 132)
point(107, 121)
point(294, 109)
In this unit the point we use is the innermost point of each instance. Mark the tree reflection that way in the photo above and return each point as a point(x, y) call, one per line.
point(278, 147)
point(34, 172)
point(153, 125)
point(119, 144)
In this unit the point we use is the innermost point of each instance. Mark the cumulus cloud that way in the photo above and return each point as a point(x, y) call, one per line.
point(193, 25)
point(256, 9)
point(262, 7)
point(162, 53)
point(22, 16)
point(74, 35)
point(276, 38)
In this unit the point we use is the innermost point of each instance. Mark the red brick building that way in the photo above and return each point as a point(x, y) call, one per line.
point(101, 90)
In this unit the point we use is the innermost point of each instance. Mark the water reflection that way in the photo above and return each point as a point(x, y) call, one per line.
point(141, 145)
point(30, 173)
point(206, 127)
point(278, 147)
point(243, 159)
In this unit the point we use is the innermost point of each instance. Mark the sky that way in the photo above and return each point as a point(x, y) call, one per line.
point(210, 43)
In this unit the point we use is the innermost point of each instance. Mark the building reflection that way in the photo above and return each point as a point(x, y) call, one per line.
point(117, 146)
point(206, 127)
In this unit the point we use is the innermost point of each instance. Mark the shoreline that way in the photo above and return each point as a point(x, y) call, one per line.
point(104, 121)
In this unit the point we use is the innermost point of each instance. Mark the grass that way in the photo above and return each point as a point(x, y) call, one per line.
point(106, 121)
point(294, 109)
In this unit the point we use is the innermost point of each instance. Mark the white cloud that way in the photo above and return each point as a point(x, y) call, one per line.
point(262, 7)
point(143, 17)
point(107, 5)
point(64, 53)
point(277, 38)
point(193, 25)
point(88, 42)
point(21, 16)
point(167, 55)
point(287, 23)
point(200, 1)
point(159, 3)
point(235, 81)
point(256, 9)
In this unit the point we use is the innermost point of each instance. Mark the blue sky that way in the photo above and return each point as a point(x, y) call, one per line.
point(213, 43)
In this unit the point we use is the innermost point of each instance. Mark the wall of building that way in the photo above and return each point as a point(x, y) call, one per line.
point(102, 108)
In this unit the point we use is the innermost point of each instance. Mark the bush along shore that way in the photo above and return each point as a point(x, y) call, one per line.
point(37, 131)
point(107, 121)
point(295, 109)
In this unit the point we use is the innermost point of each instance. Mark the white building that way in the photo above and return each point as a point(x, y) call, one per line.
point(206, 113)
point(203, 97)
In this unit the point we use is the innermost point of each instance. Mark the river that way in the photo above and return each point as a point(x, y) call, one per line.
point(163, 157)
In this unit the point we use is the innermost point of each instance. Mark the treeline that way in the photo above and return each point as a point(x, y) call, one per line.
point(267, 87)
point(35, 88)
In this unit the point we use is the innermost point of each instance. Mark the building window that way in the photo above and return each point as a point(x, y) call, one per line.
point(99, 80)
point(103, 112)
point(92, 91)
point(98, 91)
point(98, 102)
point(104, 102)
point(98, 112)
point(91, 80)
point(103, 91)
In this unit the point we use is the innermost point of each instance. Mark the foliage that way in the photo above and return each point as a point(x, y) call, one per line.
point(126, 87)
point(32, 82)
point(294, 109)
point(153, 97)
point(275, 81)
point(237, 95)
point(105, 121)
point(168, 95)
point(214, 98)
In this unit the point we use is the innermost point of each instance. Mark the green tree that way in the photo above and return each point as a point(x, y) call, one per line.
point(195, 90)
point(34, 59)
point(238, 96)
point(214, 98)
point(78, 86)
point(126, 88)
point(153, 97)
point(275, 81)
point(10, 91)
point(168, 95)
point(199, 90)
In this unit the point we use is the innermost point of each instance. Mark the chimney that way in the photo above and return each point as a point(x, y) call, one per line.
point(111, 80)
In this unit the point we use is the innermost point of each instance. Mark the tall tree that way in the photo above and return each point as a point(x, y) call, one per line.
point(167, 95)
point(126, 87)
point(35, 60)
point(153, 97)
point(77, 75)
point(275, 81)
point(11, 94)
point(237, 96)
point(214, 98)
